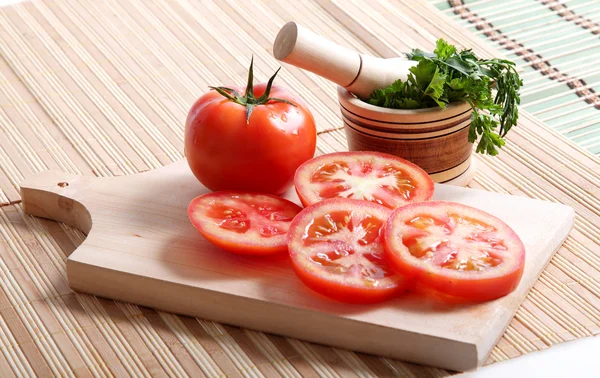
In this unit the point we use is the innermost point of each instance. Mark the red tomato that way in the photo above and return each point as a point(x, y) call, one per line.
point(385, 179)
point(244, 223)
point(226, 150)
point(455, 249)
point(336, 247)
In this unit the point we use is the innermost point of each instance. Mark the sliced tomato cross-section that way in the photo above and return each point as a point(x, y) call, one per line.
point(336, 247)
point(244, 223)
point(381, 178)
point(455, 249)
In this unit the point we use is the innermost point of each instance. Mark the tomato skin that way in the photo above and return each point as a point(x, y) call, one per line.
point(476, 291)
point(226, 153)
point(242, 249)
point(468, 286)
point(342, 293)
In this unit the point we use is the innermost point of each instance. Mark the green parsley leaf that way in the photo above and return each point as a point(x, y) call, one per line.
point(443, 50)
point(407, 103)
point(435, 89)
point(448, 75)
point(422, 74)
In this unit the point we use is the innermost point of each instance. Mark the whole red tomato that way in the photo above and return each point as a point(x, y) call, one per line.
point(249, 138)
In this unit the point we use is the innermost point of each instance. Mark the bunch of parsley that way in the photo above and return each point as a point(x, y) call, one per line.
point(446, 76)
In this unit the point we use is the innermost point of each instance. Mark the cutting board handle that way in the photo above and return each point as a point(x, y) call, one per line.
point(58, 196)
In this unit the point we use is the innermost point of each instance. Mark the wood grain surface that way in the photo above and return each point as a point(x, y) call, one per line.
point(142, 248)
point(103, 89)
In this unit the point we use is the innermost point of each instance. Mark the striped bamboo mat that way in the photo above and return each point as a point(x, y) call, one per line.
point(557, 45)
point(103, 88)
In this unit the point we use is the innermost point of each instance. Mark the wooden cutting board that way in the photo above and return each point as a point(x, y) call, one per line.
point(141, 248)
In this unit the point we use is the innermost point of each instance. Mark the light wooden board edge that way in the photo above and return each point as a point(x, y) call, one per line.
point(308, 325)
point(486, 346)
point(42, 197)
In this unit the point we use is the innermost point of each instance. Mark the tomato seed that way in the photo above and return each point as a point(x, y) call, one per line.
point(268, 231)
point(235, 225)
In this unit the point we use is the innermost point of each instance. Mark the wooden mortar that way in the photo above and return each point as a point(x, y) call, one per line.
point(435, 139)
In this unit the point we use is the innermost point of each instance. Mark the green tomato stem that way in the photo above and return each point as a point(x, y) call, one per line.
point(248, 100)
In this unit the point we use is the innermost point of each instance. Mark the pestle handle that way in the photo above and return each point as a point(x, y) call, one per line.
point(358, 73)
point(379, 73)
point(302, 48)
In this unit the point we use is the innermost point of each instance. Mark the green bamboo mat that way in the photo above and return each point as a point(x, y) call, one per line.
point(557, 43)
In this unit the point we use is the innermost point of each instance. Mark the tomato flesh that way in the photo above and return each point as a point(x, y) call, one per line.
point(336, 247)
point(384, 179)
point(455, 249)
point(244, 223)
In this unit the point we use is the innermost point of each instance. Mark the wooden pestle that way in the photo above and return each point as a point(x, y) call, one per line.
point(358, 73)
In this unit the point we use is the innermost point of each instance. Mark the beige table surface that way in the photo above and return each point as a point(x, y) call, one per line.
point(48, 331)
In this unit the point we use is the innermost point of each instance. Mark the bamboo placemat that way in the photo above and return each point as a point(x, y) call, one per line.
point(556, 42)
point(103, 88)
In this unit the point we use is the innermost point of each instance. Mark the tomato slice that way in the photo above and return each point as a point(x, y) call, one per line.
point(244, 223)
point(455, 249)
point(336, 247)
point(371, 176)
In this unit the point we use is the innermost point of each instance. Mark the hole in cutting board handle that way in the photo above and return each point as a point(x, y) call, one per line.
point(63, 184)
